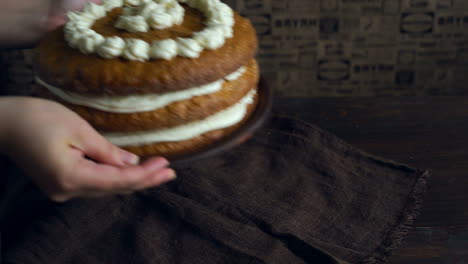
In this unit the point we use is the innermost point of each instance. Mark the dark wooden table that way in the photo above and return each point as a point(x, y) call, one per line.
point(424, 132)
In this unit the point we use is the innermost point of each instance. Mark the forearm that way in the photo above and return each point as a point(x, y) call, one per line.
point(23, 22)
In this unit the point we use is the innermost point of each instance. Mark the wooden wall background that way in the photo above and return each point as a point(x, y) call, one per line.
point(311, 48)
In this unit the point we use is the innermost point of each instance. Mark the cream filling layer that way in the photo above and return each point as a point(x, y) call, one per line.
point(138, 103)
point(223, 119)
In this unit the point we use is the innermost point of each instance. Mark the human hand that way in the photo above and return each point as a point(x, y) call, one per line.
point(23, 22)
point(66, 157)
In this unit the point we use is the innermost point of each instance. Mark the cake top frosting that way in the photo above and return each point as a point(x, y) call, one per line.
point(94, 75)
point(145, 15)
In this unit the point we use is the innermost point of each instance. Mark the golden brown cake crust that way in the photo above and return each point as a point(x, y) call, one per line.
point(175, 114)
point(67, 68)
point(177, 149)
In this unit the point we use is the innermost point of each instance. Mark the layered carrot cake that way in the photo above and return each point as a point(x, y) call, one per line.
point(155, 77)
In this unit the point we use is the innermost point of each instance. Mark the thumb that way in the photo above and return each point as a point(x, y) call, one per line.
point(98, 148)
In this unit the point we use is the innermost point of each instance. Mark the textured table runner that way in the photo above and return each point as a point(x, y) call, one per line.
point(291, 194)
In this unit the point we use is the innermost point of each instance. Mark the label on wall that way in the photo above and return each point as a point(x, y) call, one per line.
point(343, 47)
point(361, 47)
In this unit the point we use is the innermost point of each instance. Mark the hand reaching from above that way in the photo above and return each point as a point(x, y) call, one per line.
point(23, 22)
point(66, 157)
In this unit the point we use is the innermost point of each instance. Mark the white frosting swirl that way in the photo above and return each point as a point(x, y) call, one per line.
point(77, 17)
point(146, 9)
point(204, 5)
point(176, 11)
point(88, 42)
point(221, 15)
point(157, 15)
point(111, 48)
point(111, 4)
point(210, 38)
point(97, 11)
point(73, 36)
point(159, 20)
point(132, 23)
point(164, 49)
point(136, 49)
point(188, 47)
point(140, 16)
point(223, 119)
point(78, 24)
point(138, 103)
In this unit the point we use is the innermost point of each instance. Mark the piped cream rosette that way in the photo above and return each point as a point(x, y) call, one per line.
point(145, 15)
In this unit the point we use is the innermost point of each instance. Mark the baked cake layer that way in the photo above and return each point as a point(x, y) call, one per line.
point(62, 66)
point(174, 149)
point(175, 114)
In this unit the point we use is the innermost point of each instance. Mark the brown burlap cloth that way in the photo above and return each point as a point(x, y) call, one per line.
point(292, 194)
